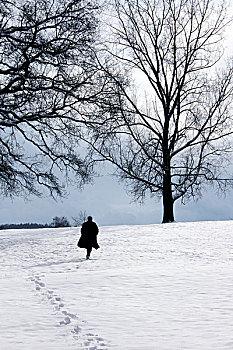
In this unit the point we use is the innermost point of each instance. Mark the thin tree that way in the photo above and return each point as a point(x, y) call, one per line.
point(167, 112)
point(80, 218)
point(47, 81)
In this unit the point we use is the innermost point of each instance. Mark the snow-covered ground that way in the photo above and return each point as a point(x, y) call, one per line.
point(154, 287)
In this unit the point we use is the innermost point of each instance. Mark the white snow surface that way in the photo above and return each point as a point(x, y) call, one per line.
point(153, 287)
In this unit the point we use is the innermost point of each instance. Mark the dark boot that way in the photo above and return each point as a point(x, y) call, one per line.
point(88, 252)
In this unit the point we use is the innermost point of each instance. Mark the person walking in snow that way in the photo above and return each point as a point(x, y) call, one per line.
point(88, 239)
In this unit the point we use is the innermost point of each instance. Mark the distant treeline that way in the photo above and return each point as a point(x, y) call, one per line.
point(57, 222)
point(23, 226)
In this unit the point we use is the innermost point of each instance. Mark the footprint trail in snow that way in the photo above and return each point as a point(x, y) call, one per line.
point(79, 329)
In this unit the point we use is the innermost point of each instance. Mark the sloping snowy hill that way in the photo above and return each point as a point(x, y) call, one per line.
point(154, 287)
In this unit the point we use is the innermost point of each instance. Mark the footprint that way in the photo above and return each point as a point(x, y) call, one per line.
point(65, 321)
point(70, 315)
point(77, 330)
point(40, 284)
point(99, 339)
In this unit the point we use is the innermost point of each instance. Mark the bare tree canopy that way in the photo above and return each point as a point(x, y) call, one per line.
point(47, 77)
point(167, 112)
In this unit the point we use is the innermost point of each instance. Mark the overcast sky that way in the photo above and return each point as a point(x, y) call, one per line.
point(107, 201)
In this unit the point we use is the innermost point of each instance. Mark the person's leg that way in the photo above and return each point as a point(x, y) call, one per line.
point(89, 249)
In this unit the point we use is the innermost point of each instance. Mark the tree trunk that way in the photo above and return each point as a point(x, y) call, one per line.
point(168, 203)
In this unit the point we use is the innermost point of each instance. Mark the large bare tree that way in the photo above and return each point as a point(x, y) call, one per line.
point(47, 82)
point(167, 113)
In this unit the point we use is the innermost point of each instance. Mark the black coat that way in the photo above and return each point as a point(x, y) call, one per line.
point(89, 232)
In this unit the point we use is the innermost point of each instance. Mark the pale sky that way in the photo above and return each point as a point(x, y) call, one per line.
point(108, 203)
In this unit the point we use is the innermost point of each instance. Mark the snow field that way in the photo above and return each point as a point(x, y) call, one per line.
point(152, 287)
